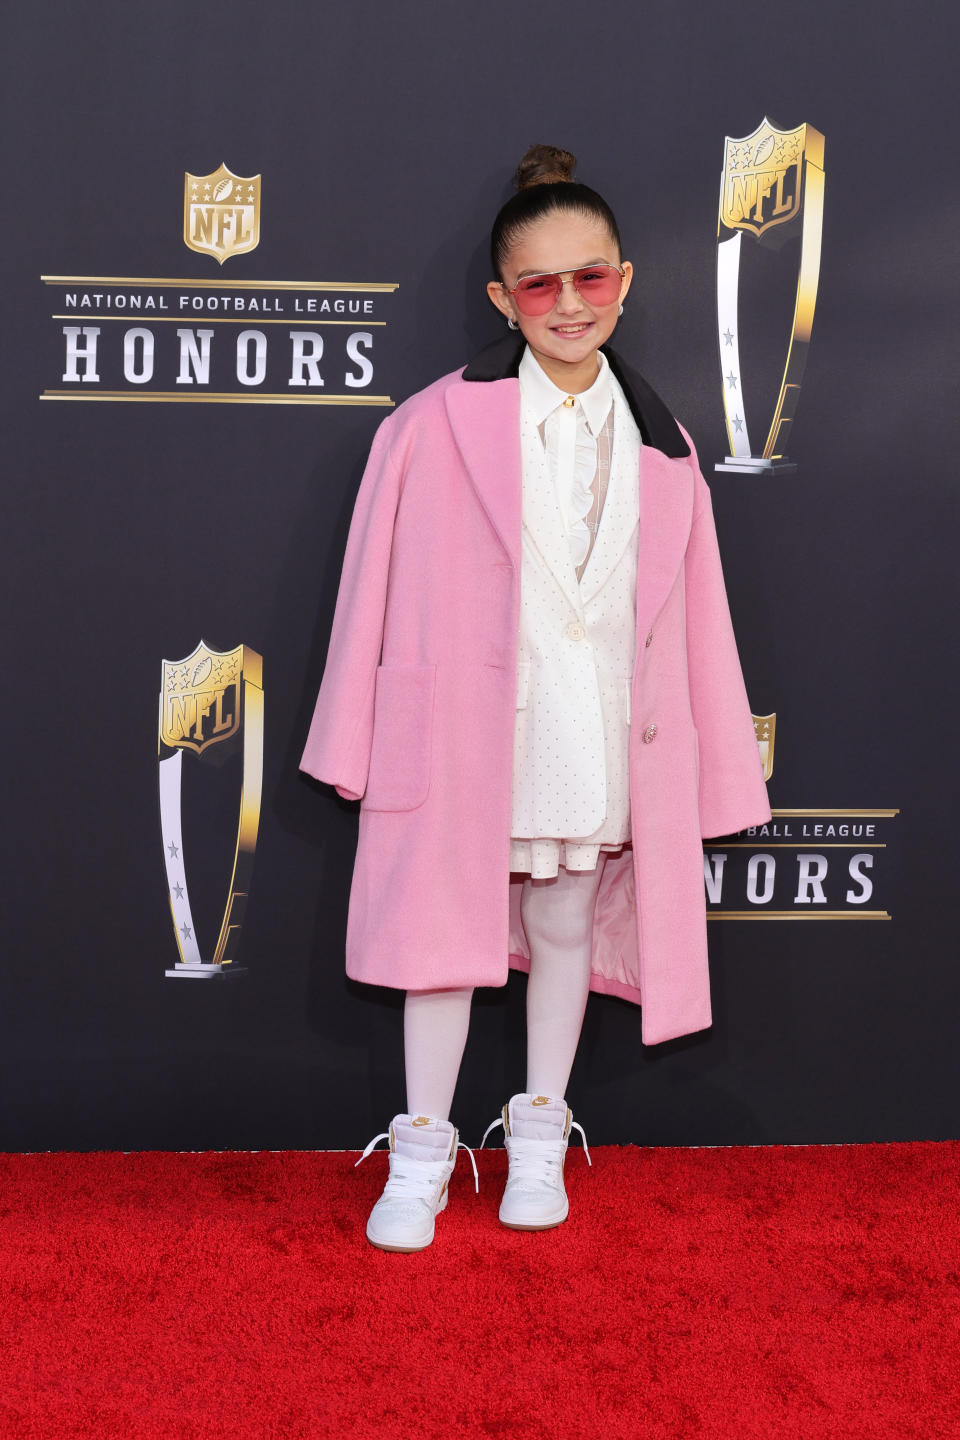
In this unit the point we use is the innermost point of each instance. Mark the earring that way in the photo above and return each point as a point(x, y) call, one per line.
point(512, 323)
point(620, 311)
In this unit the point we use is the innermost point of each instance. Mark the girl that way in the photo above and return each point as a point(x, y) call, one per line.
point(533, 688)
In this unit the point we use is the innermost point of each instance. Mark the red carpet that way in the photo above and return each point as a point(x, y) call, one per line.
point(741, 1293)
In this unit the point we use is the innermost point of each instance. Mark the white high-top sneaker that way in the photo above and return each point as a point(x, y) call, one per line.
point(423, 1152)
point(536, 1133)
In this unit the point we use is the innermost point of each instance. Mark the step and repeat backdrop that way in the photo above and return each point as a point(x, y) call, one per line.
point(235, 238)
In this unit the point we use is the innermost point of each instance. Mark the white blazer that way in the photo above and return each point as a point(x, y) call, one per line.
point(576, 646)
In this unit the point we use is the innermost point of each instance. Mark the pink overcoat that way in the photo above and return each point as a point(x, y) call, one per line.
point(415, 715)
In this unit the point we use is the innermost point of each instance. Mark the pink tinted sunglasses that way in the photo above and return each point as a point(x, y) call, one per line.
point(597, 284)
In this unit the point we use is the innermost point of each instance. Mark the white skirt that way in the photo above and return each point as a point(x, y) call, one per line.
point(541, 859)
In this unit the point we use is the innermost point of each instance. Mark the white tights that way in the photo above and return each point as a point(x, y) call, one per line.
point(557, 917)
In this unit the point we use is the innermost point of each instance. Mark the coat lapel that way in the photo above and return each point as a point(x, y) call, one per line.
point(485, 420)
point(543, 523)
point(666, 512)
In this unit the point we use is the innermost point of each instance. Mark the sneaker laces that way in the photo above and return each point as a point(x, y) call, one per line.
point(521, 1148)
point(412, 1179)
point(534, 1163)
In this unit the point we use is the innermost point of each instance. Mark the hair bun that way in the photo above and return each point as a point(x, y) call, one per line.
point(544, 165)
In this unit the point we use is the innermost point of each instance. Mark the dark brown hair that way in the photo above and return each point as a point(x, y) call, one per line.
point(545, 185)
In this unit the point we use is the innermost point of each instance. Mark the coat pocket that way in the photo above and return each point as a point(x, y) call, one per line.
point(400, 754)
point(523, 684)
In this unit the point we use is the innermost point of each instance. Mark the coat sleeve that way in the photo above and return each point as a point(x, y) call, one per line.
point(733, 793)
point(341, 731)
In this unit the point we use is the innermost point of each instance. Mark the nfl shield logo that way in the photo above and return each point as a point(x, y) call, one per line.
point(200, 698)
point(762, 178)
point(221, 213)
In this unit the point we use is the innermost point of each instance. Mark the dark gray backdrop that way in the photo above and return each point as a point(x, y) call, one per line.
point(386, 137)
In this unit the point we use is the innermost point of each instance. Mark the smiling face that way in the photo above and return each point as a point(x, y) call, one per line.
point(564, 340)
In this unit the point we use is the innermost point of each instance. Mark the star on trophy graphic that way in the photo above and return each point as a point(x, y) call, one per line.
point(211, 722)
point(771, 193)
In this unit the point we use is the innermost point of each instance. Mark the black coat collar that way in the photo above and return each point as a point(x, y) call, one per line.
point(501, 361)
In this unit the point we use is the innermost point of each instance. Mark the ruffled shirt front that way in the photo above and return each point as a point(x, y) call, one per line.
point(571, 434)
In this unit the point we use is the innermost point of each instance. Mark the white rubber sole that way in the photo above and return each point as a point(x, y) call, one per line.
point(547, 1223)
point(396, 1248)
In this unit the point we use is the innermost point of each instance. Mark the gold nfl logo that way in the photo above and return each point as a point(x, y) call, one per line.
point(221, 213)
point(762, 176)
point(200, 699)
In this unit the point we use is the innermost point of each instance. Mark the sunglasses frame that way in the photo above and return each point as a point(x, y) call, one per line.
point(561, 276)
